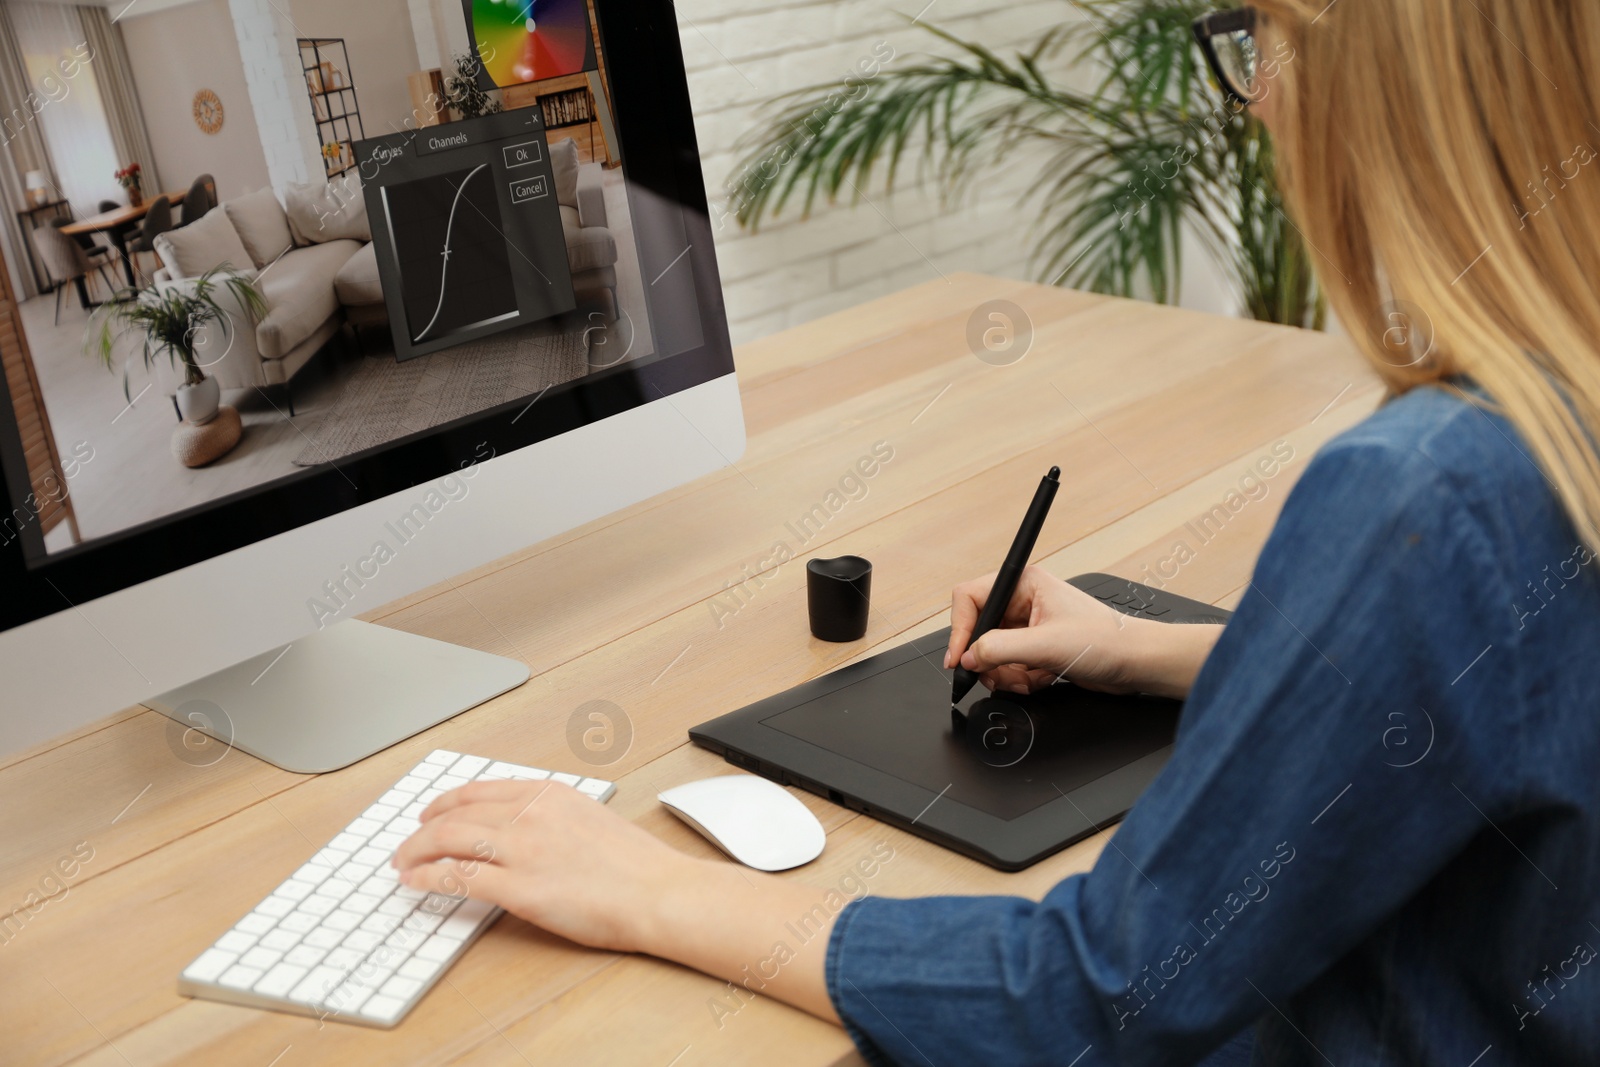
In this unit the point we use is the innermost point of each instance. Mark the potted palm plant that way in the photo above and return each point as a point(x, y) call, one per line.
point(1149, 148)
point(171, 323)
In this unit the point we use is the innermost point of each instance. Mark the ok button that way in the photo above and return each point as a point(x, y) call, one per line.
point(521, 155)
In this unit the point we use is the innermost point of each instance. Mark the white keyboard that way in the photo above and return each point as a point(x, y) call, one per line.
point(342, 938)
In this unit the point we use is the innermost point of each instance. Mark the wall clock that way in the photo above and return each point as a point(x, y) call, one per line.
point(207, 111)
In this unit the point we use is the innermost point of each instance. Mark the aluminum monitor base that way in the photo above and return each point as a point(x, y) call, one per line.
point(332, 698)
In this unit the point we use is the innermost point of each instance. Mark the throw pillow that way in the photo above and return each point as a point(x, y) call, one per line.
point(328, 211)
point(564, 161)
point(210, 241)
point(261, 224)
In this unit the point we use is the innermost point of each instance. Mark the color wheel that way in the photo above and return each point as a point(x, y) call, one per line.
point(529, 40)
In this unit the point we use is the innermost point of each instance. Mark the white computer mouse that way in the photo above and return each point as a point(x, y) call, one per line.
point(756, 821)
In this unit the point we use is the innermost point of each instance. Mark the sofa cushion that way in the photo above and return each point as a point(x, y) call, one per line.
point(210, 241)
point(300, 296)
point(261, 224)
point(564, 162)
point(357, 283)
point(334, 210)
point(588, 247)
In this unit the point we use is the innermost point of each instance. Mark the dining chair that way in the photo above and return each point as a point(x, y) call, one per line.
point(157, 221)
point(199, 199)
point(66, 261)
point(93, 249)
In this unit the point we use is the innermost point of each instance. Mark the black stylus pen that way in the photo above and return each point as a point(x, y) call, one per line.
point(1005, 582)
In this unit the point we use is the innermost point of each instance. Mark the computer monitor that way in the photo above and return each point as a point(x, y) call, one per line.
point(491, 312)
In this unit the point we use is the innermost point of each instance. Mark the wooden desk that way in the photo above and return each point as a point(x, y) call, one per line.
point(114, 224)
point(1155, 415)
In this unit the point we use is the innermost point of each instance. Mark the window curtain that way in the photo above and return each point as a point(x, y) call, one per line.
point(61, 72)
point(25, 150)
point(118, 94)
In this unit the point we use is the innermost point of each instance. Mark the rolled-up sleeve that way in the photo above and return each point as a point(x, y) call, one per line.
point(1290, 822)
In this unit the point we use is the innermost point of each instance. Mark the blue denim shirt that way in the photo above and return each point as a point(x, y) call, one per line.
point(1378, 838)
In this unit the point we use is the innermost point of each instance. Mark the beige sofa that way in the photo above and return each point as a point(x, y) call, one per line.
point(316, 268)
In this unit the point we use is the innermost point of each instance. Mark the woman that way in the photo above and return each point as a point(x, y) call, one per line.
point(1378, 837)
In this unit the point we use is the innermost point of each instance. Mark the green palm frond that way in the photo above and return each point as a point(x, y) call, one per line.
point(169, 321)
point(1146, 150)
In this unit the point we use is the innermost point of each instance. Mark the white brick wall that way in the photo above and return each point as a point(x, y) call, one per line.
point(272, 72)
point(743, 53)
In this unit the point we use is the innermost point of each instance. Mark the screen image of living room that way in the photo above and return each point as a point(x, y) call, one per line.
point(246, 129)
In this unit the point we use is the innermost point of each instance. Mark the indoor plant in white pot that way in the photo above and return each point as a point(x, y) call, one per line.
point(171, 322)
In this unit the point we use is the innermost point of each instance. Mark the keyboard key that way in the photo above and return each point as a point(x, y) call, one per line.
point(466, 918)
point(388, 841)
point(428, 796)
point(469, 766)
point(237, 977)
point(356, 873)
point(372, 857)
point(364, 827)
point(278, 981)
point(294, 889)
point(341, 920)
point(397, 906)
point(380, 924)
point(363, 940)
point(275, 905)
point(404, 824)
point(261, 957)
point(316, 985)
point(211, 963)
point(318, 905)
point(336, 889)
point(401, 988)
point(411, 784)
point(449, 782)
point(380, 813)
point(443, 757)
point(235, 941)
point(437, 948)
point(347, 842)
point(256, 923)
point(281, 940)
point(315, 873)
point(566, 779)
point(361, 903)
point(396, 799)
point(347, 998)
point(322, 937)
point(384, 1009)
point(299, 922)
point(420, 969)
point(420, 922)
point(304, 956)
point(345, 958)
point(332, 858)
point(593, 787)
point(426, 771)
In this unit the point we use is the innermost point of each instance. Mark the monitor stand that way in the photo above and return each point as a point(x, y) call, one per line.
point(327, 700)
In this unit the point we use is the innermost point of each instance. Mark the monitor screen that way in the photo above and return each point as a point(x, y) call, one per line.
point(412, 235)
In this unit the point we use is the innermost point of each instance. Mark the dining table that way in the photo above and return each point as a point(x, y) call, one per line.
point(117, 224)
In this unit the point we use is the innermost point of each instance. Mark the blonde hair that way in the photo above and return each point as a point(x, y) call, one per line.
point(1442, 162)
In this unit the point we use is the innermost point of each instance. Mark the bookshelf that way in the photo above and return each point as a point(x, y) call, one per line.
point(335, 107)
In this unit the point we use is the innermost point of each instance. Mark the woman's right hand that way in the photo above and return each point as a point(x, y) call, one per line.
point(1053, 631)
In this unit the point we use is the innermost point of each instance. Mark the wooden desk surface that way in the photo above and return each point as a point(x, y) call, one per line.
point(1155, 416)
point(110, 220)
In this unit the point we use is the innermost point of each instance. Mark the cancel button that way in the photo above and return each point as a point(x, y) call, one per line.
point(529, 188)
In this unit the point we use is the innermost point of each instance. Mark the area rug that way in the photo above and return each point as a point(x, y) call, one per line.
point(384, 400)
